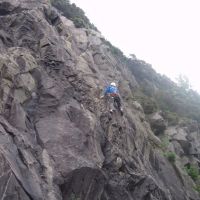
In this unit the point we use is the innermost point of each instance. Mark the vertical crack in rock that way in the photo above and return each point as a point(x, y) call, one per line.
point(49, 175)
point(6, 187)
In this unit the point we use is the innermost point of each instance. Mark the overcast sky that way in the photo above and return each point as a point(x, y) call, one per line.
point(164, 33)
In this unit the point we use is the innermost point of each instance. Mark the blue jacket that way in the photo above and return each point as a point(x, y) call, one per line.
point(111, 90)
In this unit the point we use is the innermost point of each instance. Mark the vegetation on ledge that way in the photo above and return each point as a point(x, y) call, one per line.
point(74, 13)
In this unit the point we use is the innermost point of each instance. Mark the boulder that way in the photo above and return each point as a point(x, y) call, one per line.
point(158, 124)
point(137, 106)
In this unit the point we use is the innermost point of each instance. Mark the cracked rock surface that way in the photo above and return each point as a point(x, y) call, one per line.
point(57, 140)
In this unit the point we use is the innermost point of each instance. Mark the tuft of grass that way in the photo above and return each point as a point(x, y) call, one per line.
point(164, 142)
point(171, 156)
point(73, 197)
point(171, 117)
point(197, 188)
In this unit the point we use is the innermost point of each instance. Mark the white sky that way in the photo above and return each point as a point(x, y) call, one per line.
point(164, 33)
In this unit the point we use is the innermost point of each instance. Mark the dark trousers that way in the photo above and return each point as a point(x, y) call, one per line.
point(117, 102)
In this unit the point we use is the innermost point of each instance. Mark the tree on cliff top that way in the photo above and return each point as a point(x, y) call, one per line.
point(183, 82)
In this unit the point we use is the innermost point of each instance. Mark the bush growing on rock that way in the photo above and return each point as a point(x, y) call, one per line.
point(79, 23)
point(148, 104)
point(114, 50)
point(164, 142)
point(73, 197)
point(171, 156)
point(71, 11)
point(171, 117)
point(197, 188)
point(192, 171)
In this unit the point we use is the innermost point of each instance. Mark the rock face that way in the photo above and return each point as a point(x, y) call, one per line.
point(158, 124)
point(185, 139)
point(57, 140)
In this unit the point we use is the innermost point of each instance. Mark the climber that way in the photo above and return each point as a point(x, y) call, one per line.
point(112, 98)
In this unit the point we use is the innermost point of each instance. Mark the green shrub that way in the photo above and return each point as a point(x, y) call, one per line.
point(164, 142)
point(171, 156)
point(114, 50)
point(73, 12)
point(171, 117)
point(73, 197)
point(197, 188)
point(192, 171)
point(148, 104)
point(79, 23)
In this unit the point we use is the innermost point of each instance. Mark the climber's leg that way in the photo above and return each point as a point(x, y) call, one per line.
point(111, 104)
point(118, 105)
